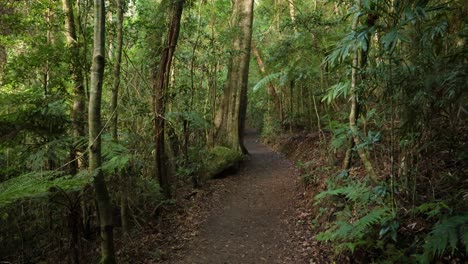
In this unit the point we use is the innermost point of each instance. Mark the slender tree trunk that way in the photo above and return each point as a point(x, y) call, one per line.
point(160, 85)
point(78, 111)
point(271, 88)
point(3, 59)
point(362, 56)
point(292, 14)
point(117, 66)
point(114, 112)
point(95, 159)
point(354, 113)
point(230, 120)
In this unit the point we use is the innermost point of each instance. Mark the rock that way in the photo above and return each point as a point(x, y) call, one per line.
point(220, 159)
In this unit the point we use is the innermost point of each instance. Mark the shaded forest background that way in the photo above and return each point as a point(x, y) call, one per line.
point(380, 86)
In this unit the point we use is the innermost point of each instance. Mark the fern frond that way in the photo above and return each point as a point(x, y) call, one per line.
point(445, 235)
point(266, 80)
point(357, 191)
point(373, 217)
point(37, 185)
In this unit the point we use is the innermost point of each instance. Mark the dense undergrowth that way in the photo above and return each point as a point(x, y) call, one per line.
point(357, 219)
point(379, 86)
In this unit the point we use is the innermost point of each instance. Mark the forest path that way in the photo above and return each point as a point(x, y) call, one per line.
point(253, 222)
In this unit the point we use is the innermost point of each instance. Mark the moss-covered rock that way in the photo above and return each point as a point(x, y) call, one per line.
point(220, 159)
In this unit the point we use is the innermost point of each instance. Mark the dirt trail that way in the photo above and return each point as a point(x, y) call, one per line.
point(252, 224)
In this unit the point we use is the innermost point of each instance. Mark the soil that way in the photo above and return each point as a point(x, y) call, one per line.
point(256, 220)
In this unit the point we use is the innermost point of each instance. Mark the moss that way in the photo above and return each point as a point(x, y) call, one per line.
point(220, 159)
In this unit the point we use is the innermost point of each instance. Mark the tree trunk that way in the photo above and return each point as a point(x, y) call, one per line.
point(160, 84)
point(362, 56)
point(353, 115)
point(117, 63)
point(95, 159)
point(78, 111)
point(230, 120)
point(292, 14)
point(114, 112)
point(271, 88)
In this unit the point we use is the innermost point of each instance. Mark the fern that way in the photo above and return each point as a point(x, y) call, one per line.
point(355, 192)
point(373, 217)
point(432, 209)
point(37, 185)
point(116, 157)
point(353, 235)
point(446, 235)
point(267, 79)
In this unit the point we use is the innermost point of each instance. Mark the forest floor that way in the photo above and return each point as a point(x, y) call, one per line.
point(254, 223)
point(259, 215)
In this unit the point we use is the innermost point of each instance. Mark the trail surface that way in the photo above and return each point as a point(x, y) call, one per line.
point(253, 222)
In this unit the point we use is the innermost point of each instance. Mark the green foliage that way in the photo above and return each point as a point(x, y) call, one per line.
point(340, 134)
point(267, 80)
point(27, 112)
point(363, 220)
point(307, 175)
point(448, 234)
point(38, 185)
point(433, 209)
point(116, 157)
point(336, 91)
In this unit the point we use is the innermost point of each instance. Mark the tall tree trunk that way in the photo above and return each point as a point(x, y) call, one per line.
point(271, 88)
point(78, 111)
point(362, 56)
point(292, 14)
point(94, 120)
point(3, 59)
point(160, 84)
point(114, 112)
point(230, 120)
point(354, 113)
point(117, 66)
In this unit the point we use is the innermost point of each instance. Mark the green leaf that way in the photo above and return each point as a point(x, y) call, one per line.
point(267, 80)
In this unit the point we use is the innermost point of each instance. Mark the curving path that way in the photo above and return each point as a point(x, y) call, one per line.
point(253, 223)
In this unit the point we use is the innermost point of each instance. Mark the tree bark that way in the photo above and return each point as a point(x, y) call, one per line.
point(78, 111)
point(114, 112)
point(117, 66)
point(230, 120)
point(94, 119)
point(160, 84)
point(362, 56)
point(353, 115)
point(271, 88)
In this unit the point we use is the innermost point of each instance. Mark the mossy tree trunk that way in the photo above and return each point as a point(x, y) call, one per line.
point(230, 120)
point(160, 84)
point(94, 120)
